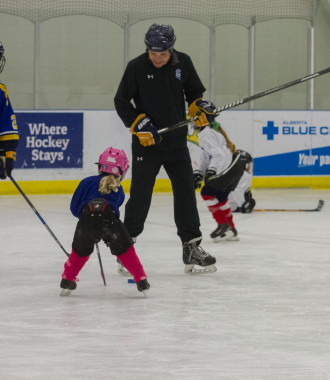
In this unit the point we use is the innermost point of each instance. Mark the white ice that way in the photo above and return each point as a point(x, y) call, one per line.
point(265, 314)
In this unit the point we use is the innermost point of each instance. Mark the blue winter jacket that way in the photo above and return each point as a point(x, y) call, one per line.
point(88, 189)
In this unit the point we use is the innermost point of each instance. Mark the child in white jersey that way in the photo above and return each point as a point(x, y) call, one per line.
point(221, 167)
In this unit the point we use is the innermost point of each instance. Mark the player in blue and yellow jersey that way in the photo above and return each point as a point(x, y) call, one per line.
point(8, 128)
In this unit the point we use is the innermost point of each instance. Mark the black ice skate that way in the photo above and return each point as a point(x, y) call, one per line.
point(194, 254)
point(224, 232)
point(67, 287)
point(143, 286)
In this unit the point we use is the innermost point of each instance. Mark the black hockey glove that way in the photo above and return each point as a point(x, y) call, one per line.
point(249, 204)
point(204, 110)
point(209, 173)
point(145, 130)
point(198, 179)
point(7, 163)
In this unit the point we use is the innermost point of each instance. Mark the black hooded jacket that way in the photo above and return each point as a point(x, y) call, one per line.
point(160, 93)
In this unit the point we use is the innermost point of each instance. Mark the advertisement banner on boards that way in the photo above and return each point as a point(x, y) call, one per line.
point(291, 143)
point(282, 143)
point(50, 140)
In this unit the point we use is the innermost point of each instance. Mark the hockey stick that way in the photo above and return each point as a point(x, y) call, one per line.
point(318, 208)
point(46, 225)
point(37, 213)
point(100, 261)
point(247, 99)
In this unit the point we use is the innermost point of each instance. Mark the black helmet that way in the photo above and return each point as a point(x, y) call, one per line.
point(160, 38)
point(245, 155)
point(2, 57)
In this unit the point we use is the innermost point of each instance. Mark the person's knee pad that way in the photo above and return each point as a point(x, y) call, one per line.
point(114, 233)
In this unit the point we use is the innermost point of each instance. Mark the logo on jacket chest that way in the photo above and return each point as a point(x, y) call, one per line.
point(178, 75)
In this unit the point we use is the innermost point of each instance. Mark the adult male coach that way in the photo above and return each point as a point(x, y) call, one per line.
point(159, 82)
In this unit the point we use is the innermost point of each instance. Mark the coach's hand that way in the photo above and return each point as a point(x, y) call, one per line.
point(145, 131)
point(204, 111)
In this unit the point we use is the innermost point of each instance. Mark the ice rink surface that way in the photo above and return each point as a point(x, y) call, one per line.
point(265, 314)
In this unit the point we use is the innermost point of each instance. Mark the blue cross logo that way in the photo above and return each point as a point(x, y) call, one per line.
point(270, 130)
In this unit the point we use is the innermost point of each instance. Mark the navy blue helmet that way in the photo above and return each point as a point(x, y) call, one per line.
point(160, 38)
point(2, 57)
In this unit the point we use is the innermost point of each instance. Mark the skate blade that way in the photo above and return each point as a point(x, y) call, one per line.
point(225, 238)
point(65, 292)
point(145, 292)
point(123, 272)
point(234, 238)
point(190, 269)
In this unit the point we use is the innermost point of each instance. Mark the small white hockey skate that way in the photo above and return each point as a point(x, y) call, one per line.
point(122, 270)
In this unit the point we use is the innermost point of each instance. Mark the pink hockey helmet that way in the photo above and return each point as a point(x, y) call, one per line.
point(114, 161)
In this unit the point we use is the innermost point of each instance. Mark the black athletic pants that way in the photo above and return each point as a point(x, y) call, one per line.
point(224, 184)
point(146, 163)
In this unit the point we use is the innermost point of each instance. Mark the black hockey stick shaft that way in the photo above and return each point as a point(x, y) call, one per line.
point(272, 90)
point(249, 99)
point(37, 213)
point(176, 126)
point(100, 261)
point(318, 208)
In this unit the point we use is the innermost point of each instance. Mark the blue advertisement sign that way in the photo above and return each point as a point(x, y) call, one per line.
point(50, 140)
point(306, 162)
point(292, 143)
